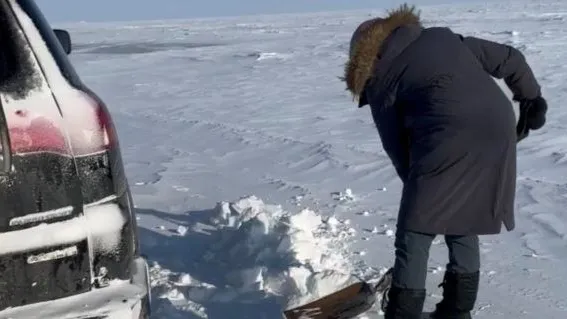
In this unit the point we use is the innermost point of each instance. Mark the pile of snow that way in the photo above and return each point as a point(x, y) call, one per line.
point(263, 253)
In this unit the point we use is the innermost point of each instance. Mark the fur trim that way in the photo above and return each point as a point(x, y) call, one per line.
point(367, 43)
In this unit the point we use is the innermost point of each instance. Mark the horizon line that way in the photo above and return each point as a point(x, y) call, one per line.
point(229, 16)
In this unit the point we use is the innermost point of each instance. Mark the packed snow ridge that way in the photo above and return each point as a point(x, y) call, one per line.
point(263, 255)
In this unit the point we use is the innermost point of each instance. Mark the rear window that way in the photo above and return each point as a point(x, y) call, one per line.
point(17, 74)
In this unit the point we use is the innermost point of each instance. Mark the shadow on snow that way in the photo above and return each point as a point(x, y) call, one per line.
point(188, 255)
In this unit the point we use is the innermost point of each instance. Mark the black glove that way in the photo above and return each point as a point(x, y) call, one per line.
point(536, 110)
point(532, 116)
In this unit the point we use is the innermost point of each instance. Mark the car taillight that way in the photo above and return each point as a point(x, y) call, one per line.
point(95, 131)
point(84, 126)
point(105, 123)
point(40, 135)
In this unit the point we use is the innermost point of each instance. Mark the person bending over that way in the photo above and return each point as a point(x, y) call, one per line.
point(451, 135)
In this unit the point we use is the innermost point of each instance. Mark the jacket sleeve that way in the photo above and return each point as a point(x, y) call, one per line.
point(505, 62)
point(389, 122)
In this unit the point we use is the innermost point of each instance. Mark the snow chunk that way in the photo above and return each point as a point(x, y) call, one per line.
point(181, 230)
point(270, 55)
point(262, 250)
point(345, 196)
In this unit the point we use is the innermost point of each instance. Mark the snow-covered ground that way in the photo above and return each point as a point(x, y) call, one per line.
point(241, 146)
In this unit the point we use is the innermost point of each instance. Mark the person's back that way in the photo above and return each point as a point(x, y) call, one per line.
point(450, 133)
point(460, 127)
point(445, 82)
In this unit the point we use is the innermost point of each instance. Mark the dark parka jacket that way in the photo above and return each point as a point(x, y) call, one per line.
point(448, 128)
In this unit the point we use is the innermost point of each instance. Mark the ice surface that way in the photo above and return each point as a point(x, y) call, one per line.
point(212, 110)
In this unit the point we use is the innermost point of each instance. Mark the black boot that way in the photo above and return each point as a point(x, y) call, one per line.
point(404, 303)
point(459, 296)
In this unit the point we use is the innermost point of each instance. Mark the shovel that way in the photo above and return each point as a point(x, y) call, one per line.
point(346, 303)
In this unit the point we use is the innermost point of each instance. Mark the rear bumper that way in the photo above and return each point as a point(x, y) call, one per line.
point(119, 300)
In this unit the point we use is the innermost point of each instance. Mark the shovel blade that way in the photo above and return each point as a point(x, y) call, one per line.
point(348, 302)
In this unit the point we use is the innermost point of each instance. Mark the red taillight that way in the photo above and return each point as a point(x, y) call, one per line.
point(93, 131)
point(84, 126)
point(105, 123)
point(41, 135)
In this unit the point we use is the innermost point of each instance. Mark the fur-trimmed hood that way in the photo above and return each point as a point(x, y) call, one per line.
point(366, 44)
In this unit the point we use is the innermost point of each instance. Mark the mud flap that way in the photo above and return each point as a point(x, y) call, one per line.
point(346, 303)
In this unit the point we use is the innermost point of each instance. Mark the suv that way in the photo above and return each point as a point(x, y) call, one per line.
point(68, 233)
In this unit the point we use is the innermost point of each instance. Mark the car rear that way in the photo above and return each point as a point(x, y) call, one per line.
point(68, 234)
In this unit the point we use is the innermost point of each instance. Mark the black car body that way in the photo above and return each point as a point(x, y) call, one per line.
point(68, 233)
